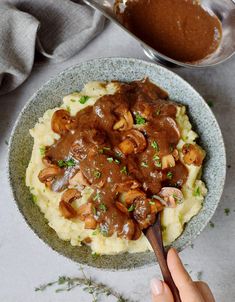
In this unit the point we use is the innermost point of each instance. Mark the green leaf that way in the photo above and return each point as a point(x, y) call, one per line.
point(155, 145)
point(144, 164)
point(124, 170)
point(169, 175)
point(131, 208)
point(84, 99)
point(139, 120)
point(103, 207)
point(42, 150)
point(197, 192)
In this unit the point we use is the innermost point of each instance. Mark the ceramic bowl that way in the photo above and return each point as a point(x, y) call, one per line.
point(122, 69)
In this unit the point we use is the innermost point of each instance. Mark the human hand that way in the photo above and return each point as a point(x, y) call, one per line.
point(189, 291)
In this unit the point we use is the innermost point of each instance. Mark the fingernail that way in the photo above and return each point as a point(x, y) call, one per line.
point(156, 287)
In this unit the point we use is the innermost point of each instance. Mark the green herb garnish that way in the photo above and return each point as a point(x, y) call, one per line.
point(103, 207)
point(169, 175)
point(131, 208)
point(84, 99)
point(66, 163)
point(227, 211)
point(96, 232)
point(144, 164)
point(152, 202)
point(110, 159)
point(197, 192)
point(97, 174)
point(155, 146)
point(97, 196)
point(42, 150)
point(139, 120)
point(124, 170)
point(68, 109)
point(72, 100)
point(35, 199)
point(95, 256)
point(117, 161)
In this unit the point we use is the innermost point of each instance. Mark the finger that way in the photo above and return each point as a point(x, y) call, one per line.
point(160, 291)
point(187, 288)
point(205, 291)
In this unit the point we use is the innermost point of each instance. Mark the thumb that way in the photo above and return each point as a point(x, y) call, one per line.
point(187, 288)
point(160, 291)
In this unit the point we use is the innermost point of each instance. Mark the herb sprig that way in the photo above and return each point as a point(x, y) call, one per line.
point(89, 285)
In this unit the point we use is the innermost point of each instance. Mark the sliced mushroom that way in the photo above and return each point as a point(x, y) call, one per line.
point(128, 230)
point(67, 210)
point(131, 195)
point(90, 223)
point(127, 147)
point(126, 186)
point(168, 161)
point(84, 210)
point(193, 154)
point(156, 206)
point(78, 178)
point(87, 240)
point(48, 174)
point(125, 122)
point(121, 207)
point(65, 206)
point(134, 142)
point(137, 233)
point(171, 196)
point(175, 153)
point(61, 121)
point(70, 195)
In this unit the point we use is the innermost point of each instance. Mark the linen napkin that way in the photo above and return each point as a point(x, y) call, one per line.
point(58, 29)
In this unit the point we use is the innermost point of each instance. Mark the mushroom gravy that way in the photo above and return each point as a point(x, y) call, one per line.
point(180, 29)
point(124, 148)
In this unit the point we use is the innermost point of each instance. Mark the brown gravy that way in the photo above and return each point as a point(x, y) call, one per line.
point(113, 171)
point(179, 29)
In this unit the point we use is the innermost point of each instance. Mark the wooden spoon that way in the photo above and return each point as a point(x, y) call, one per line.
point(154, 235)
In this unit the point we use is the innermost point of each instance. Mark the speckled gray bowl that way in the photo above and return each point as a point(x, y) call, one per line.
point(50, 95)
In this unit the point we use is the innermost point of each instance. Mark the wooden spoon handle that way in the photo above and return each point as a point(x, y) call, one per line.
point(154, 236)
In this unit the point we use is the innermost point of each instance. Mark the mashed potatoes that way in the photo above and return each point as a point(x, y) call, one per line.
point(173, 219)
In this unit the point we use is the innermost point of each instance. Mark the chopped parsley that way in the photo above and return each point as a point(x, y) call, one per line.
point(110, 159)
point(117, 161)
point(42, 150)
point(124, 170)
point(95, 256)
point(226, 211)
point(72, 100)
point(197, 192)
point(96, 232)
point(144, 164)
point(157, 163)
point(139, 120)
point(35, 199)
point(84, 99)
point(212, 225)
point(103, 207)
point(68, 109)
point(94, 210)
point(97, 174)
point(158, 111)
point(152, 202)
point(66, 163)
point(155, 146)
point(97, 196)
point(131, 208)
point(169, 175)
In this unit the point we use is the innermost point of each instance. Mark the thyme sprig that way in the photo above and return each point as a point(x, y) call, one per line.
point(89, 285)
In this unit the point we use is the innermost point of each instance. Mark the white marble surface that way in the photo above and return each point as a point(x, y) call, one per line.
point(25, 262)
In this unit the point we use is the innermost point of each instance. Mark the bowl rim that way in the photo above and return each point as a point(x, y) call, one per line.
point(111, 59)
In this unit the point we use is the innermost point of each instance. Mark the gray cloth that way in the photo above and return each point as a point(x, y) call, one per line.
point(58, 29)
